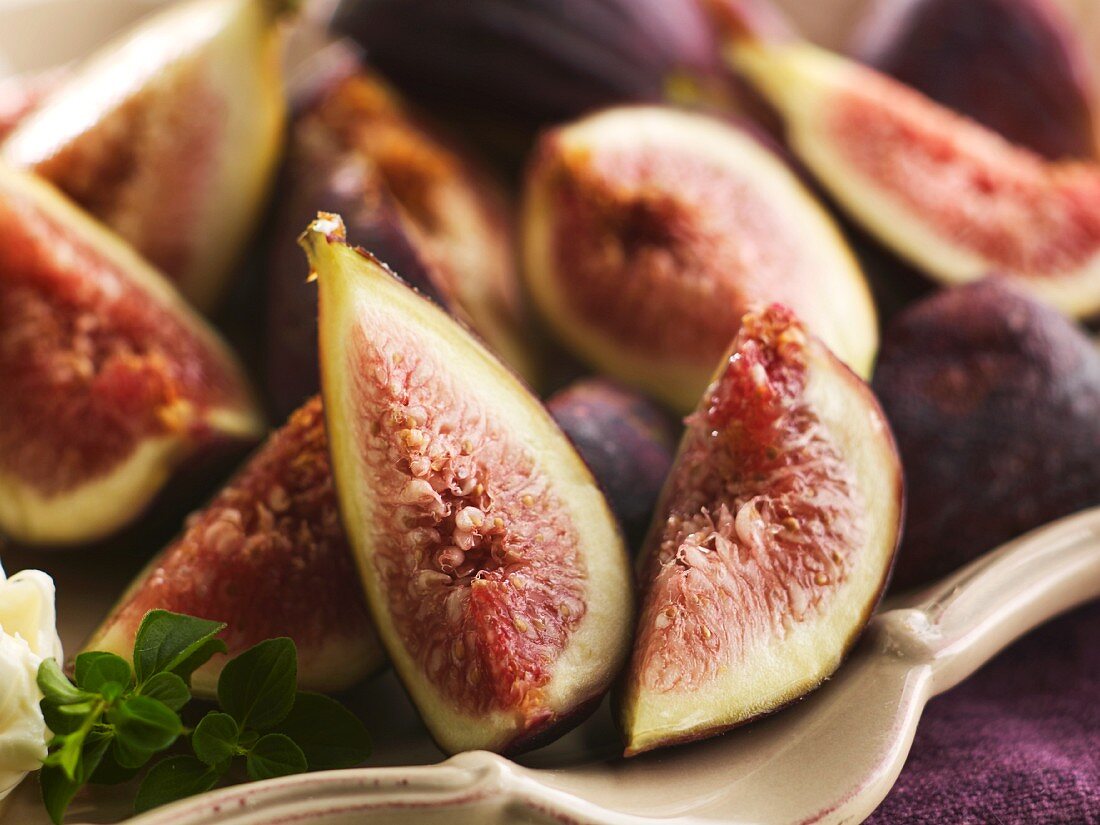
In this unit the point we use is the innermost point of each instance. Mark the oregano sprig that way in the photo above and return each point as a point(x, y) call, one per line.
point(113, 718)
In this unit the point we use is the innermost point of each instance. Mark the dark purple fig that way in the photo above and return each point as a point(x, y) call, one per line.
point(995, 402)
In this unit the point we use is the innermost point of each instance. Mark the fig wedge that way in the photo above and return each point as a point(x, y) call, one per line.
point(772, 542)
point(170, 135)
point(941, 191)
point(648, 233)
point(267, 556)
point(494, 569)
point(111, 382)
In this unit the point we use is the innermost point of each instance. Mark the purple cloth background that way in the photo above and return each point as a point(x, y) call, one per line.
point(1018, 742)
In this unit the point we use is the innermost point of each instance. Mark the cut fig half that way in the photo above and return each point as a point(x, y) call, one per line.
point(268, 557)
point(111, 382)
point(170, 135)
point(649, 232)
point(772, 542)
point(495, 572)
point(947, 194)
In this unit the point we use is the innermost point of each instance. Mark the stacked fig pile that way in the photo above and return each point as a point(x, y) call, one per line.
point(672, 271)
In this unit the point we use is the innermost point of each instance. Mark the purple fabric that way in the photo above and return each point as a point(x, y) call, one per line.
point(1018, 742)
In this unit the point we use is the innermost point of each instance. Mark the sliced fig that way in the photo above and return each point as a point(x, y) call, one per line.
point(1017, 66)
point(648, 233)
point(410, 196)
point(111, 382)
point(626, 440)
point(995, 400)
point(494, 569)
point(267, 556)
point(772, 542)
point(942, 191)
point(170, 135)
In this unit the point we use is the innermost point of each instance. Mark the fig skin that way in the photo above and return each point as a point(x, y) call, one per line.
point(771, 545)
point(995, 402)
point(649, 232)
point(114, 387)
point(417, 200)
point(627, 441)
point(494, 569)
point(170, 135)
point(268, 556)
point(1016, 66)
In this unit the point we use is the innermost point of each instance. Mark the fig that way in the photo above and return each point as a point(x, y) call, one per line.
point(170, 135)
point(494, 570)
point(268, 556)
point(505, 69)
point(772, 542)
point(648, 232)
point(995, 401)
point(111, 382)
point(626, 440)
point(942, 191)
point(1016, 66)
point(409, 195)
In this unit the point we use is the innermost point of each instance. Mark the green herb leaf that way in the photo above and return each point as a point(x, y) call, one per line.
point(55, 685)
point(275, 755)
point(174, 778)
point(168, 688)
point(330, 735)
point(215, 738)
point(257, 688)
point(109, 772)
point(168, 641)
point(146, 724)
point(57, 721)
point(96, 669)
point(58, 789)
point(129, 755)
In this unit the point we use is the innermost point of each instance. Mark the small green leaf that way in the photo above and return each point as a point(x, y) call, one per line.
point(58, 721)
point(215, 738)
point(168, 688)
point(129, 755)
point(97, 668)
point(67, 757)
point(173, 642)
point(330, 735)
point(257, 688)
point(275, 755)
point(55, 685)
point(58, 789)
point(109, 772)
point(174, 778)
point(146, 724)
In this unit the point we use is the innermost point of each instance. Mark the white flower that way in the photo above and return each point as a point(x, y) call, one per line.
point(28, 634)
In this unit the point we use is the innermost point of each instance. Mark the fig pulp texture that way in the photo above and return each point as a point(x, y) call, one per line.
point(170, 136)
point(267, 556)
point(772, 541)
point(1017, 66)
point(493, 566)
point(995, 401)
point(648, 233)
point(110, 381)
point(942, 191)
point(413, 198)
point(626, 440)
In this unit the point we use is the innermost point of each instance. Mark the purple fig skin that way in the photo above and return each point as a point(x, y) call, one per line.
point(627, 441)
point(1016, 66)
point(995, 403)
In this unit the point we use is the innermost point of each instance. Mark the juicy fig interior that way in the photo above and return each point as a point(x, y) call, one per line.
point(493, 566)
point(768, 551)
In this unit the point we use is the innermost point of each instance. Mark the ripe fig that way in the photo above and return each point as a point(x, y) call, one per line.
point(772, 542)
point(170, 136)
point(995, 400)
point(1016, 66)
point(626, 440)
point(410, 196)
point(268, 556)
point(942, 191)
point(110, 381)
point(494, 569)
point(648, 232)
